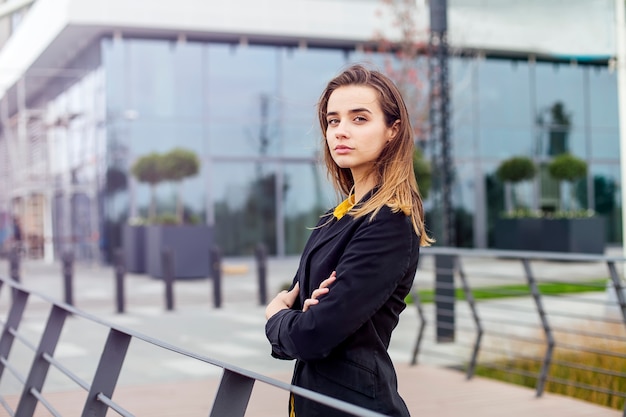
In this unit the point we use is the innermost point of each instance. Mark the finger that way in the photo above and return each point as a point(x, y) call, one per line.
point(318, 292)
point(328, 281)
point(308, 303)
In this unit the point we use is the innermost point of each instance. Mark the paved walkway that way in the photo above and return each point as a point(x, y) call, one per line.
point(159, 383)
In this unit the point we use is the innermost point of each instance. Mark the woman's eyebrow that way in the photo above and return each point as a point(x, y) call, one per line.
point(357, 110)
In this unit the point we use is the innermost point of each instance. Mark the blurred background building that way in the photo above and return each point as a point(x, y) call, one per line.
point(88, 86)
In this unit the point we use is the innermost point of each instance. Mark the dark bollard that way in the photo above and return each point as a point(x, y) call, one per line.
point(14, 264)
point(68, 272)
point(261, 259)
point(120, 271)
point(215, 257)
point(444, 297)
point(167, 265)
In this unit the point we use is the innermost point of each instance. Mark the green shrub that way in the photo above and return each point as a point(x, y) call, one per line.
point(516, 169)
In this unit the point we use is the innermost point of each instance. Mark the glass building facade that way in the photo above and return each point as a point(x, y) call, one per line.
point(249, 113)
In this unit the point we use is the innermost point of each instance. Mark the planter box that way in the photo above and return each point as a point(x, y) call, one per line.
point(190, 245)
point(583, 235)
point(134, 247)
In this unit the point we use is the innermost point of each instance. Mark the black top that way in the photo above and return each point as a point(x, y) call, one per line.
point(341, 343)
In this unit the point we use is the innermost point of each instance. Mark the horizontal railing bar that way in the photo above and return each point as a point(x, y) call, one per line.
point(490, 320)
point(507, 335)
point(584, 349)
point(515, 254)
point(65, 371)
point(573, 298)
point(13, 371)
point(114, 406)
point(506, 354)
point(585, 386)
point(559, 313)
point(22, 339)
point(602, 371)
point(45, 402)
point(598, 335)
point(326, 400)
point(500, 306)
point(511, 370)
point(7, 407)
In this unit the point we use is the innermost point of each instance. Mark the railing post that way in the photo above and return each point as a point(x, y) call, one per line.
point(547, 360)
point(167, 266)
point(12, 323)
point(261, 258)
point(120, 271)
point(68, 271)
point(420, 332)
point(469, 296)
point(232, 395)
point(40, 366)
point(108, 372)
point(215, 258)
point(444, 297)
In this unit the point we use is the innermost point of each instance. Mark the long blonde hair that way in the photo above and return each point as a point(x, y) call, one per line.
point(393, 170)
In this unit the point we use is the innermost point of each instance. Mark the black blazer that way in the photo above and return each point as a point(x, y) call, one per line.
point(341, 343)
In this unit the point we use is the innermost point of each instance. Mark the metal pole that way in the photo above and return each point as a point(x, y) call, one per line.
point(261, 258)
point(620, 34)
point(167, 263)
point(120, 270)
point(215, 258)
point(440, 115)
point(68, 272)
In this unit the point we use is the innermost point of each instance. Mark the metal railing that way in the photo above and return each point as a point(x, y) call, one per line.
point(499, 310)
point(231, 399)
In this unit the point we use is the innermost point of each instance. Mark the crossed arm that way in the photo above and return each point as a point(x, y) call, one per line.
point(285, 299)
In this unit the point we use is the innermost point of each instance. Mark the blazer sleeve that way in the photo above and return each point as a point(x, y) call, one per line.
point(368, 272)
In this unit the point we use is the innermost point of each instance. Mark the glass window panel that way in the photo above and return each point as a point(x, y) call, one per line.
point(243, 100)
point(560, 106)
point(113, 60)
point(503, 142)
point(244, 198)
point(304, 74)
point(605, 143)
point(603, 98)
point(307, 195)
point(607, 197)
point(504, 93)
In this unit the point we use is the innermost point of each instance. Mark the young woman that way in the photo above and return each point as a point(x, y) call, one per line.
point(360, 261)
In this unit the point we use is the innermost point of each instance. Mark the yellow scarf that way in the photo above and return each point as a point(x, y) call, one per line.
point(344, 207)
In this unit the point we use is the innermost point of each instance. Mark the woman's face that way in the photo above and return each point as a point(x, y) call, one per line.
point(356, 132)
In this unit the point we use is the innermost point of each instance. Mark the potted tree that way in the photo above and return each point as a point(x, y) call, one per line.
point(188, 243)
point(147, 170)
point(572, 229)
point(517, 228)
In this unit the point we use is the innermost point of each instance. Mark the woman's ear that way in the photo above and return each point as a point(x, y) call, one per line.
point(392, 132)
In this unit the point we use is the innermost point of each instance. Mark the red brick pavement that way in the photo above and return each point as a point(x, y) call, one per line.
point(428, 391)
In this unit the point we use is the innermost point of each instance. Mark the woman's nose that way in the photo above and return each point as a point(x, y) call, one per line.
point(341, 131)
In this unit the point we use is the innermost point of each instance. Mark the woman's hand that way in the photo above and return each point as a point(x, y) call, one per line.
point(282, 301)
point(323, 289)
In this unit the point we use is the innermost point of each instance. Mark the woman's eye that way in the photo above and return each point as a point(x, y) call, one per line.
point(333, 122)
point(360, 119)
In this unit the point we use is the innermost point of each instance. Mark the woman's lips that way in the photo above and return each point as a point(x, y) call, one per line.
point(342, 150)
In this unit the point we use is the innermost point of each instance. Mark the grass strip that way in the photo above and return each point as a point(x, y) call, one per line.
point(518, 290)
